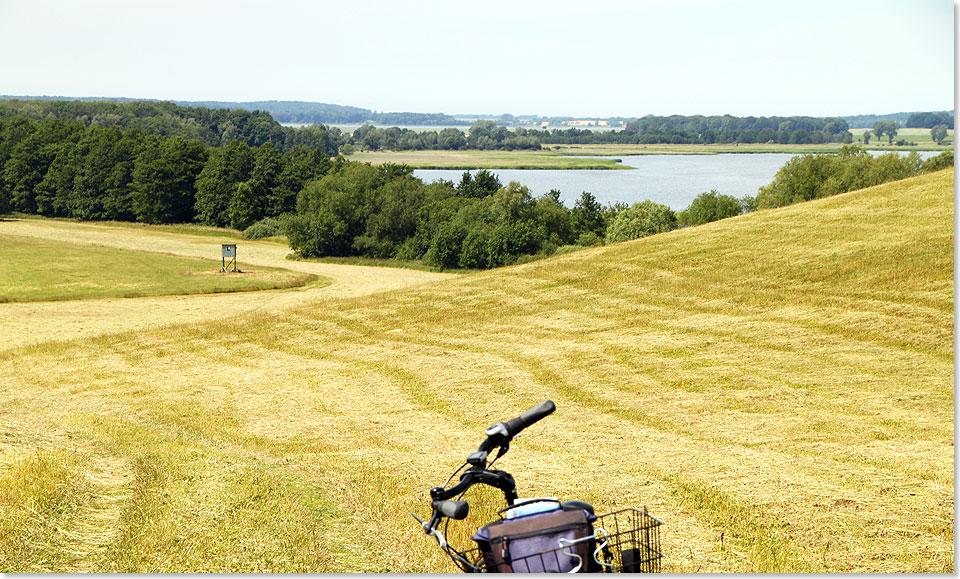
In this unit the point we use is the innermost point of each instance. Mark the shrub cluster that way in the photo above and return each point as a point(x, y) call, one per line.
point(385, 212)
point(266, 227)
point(819, 175)
point(712, 206)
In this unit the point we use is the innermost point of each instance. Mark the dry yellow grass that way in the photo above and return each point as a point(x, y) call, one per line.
point(777, 387)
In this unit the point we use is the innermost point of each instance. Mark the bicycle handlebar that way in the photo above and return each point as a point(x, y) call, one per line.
point(503, 432)
point(529, 417)
point(457, 510)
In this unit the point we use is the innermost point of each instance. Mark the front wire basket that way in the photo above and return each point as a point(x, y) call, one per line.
point(633, 541)
point(625, 541)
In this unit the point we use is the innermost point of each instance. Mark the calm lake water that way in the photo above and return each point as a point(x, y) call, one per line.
point(674, 180)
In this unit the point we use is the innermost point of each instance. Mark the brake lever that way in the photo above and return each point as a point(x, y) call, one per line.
point(423, 523)
point(430, 530)
point(500, 452)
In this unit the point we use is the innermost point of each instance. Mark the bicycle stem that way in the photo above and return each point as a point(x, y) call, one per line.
point(495, 478)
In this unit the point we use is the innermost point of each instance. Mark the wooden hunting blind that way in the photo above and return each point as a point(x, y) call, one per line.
point(229, 253)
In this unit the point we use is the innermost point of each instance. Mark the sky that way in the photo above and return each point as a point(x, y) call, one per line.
point(599, 58)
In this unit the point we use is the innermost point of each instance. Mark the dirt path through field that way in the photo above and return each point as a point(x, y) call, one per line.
point(37, 322)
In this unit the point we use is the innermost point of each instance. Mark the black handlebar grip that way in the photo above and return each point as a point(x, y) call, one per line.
point(456, 510)
point(542, 410)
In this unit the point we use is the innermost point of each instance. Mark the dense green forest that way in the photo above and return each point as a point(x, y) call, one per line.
point(62, 168)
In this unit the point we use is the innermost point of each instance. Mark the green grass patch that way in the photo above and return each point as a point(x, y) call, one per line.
point(476, 159)
point(43, 270)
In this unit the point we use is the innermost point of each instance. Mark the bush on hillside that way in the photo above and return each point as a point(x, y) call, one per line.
point(819, 175)
point(266, 227)
point(640, 220)
point(707, 207)
point(588, 239)
point(942, 161)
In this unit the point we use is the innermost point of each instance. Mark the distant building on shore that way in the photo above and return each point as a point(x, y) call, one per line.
point(588, 123)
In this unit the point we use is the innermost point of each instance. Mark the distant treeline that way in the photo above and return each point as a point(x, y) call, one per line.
point(919, 120)
point(930, 120)
point(324, 113)
point(218, 126)
point(698, 129)
point(483, 135)
point(649, 130)
point(212, 127)
point(867, 121)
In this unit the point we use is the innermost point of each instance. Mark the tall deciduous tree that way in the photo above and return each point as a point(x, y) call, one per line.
point(54, 193)
point(267, 165)
point(587, 216)
point(300, 166)
point(217, 183)
point(164, 179)
point(102, 187)
point(888, 128)
point(245, 207)
point(483, 184)
point(939, 133)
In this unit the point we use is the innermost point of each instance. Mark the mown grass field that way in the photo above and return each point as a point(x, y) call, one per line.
point(777, 387)
point(43, 270)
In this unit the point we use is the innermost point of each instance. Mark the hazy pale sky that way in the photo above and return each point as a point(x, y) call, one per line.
point(584, 58)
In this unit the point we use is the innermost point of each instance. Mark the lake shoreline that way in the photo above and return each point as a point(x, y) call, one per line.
point(603, 157)
point(674, 180)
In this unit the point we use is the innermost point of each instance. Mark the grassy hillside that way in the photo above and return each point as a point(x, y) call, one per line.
point(777, 387)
